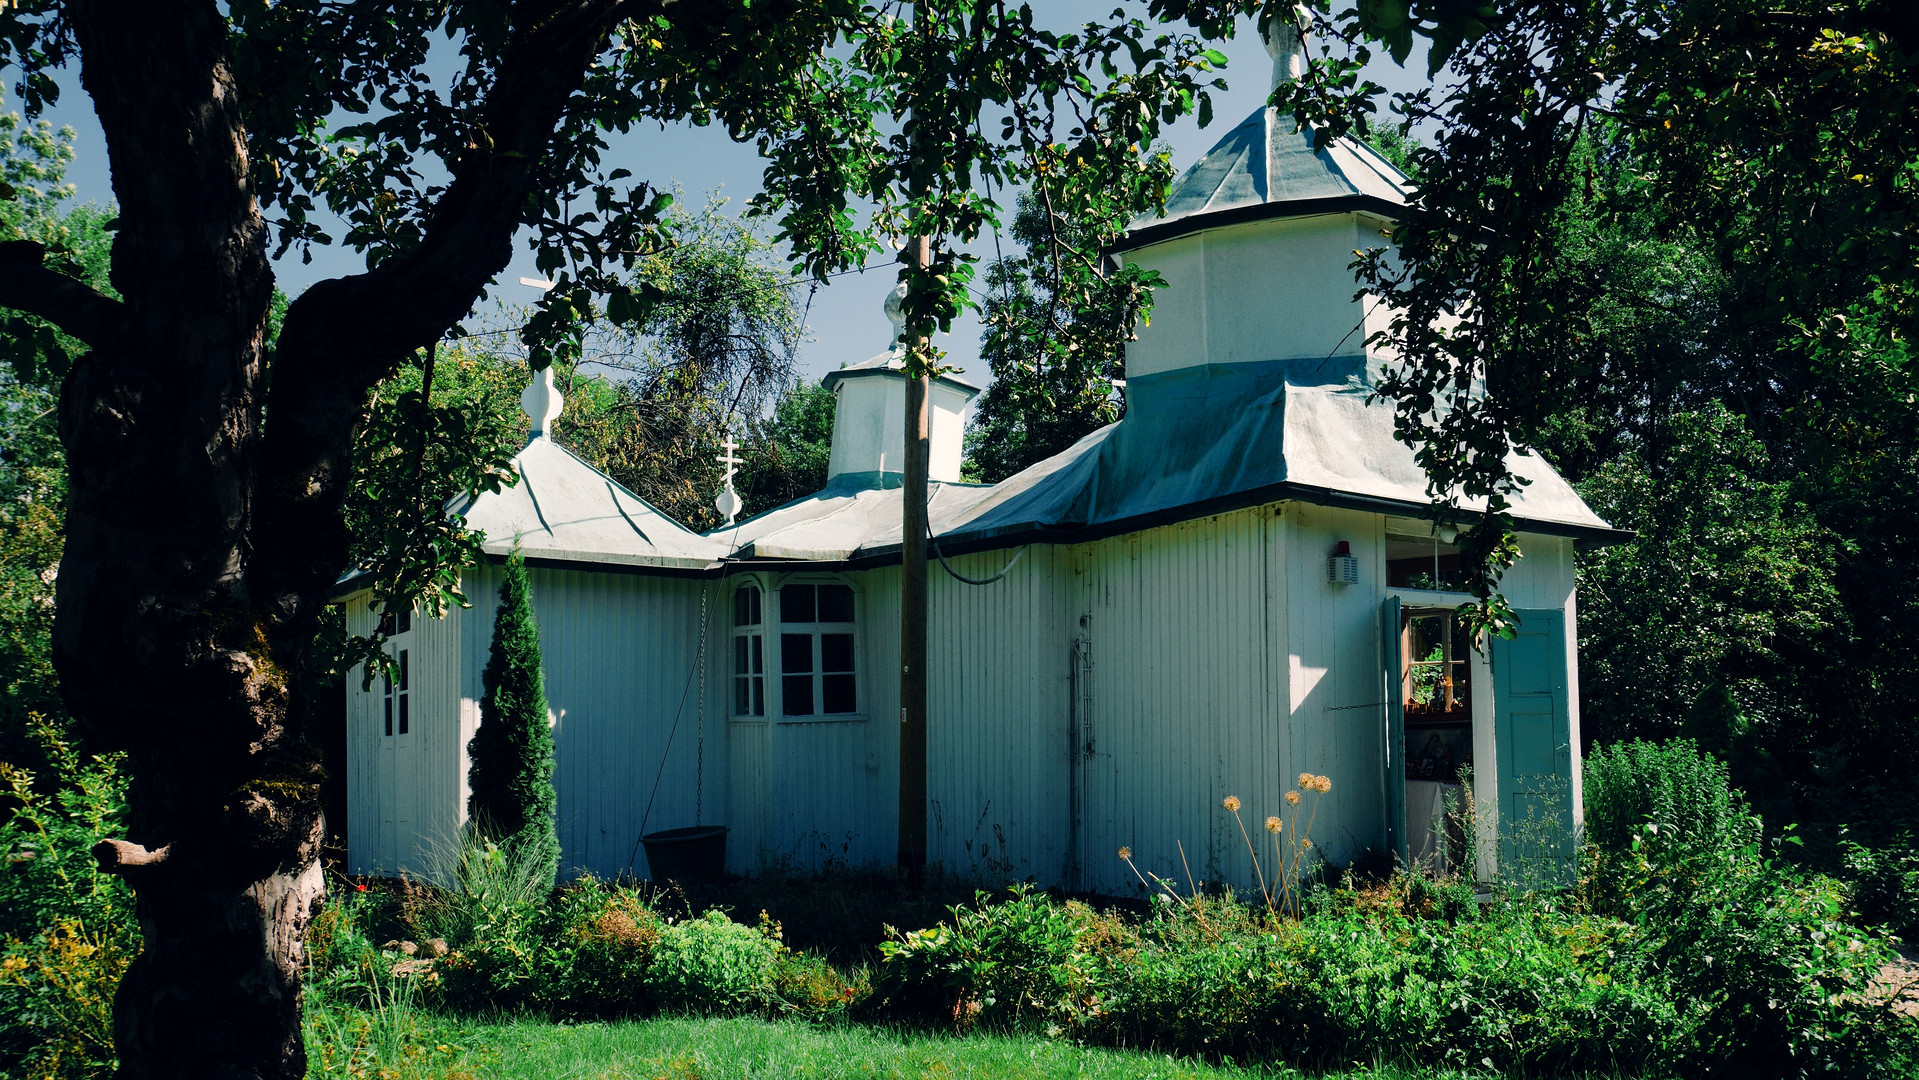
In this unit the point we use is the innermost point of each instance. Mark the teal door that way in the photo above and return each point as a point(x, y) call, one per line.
point(1533, 728)
point(1395, 763)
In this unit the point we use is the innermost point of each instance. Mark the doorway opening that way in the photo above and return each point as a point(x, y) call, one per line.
point(1436, 699)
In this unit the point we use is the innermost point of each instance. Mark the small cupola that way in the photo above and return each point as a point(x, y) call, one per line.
point(869, 421)
point(1256, 242)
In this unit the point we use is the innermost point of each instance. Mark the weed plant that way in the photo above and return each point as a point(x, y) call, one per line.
point(67, 931)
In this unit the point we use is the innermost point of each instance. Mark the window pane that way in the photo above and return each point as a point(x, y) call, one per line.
point(758, 649)
point(796, 654)
point(798, 692)
point(406, 621)
point(740, 661)
point(836, 603)
point(838, 691)
point(836, 652)
point(404, 698)
point(759, 697)
point(402, 671)
point(389, 716)
point(746, 607)
point(796, 603)
point(742, 696)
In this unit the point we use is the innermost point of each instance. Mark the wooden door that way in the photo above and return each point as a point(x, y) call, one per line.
point(1533, 728)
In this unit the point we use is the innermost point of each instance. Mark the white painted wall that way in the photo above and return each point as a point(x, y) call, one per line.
point(1264, 290)
point(869, 426)
point(1218, 661)
point(405, 792)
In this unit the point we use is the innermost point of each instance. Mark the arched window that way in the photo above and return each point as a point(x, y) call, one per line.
point(396, 695)
point(816, 651)
point(749, 652)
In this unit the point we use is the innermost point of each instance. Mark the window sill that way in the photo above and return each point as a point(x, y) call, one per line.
point(746, 719)
point(826, 718)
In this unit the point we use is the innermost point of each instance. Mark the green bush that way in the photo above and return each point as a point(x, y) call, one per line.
point(992, 963)
point(1355, 982)
point(603, 942)
point(67, 931)
point(1769, 976)
point(492, 912)
point(713, 964)
point(1675, 787)
point(1885, 885)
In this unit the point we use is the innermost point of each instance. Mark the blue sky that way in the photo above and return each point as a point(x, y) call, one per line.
point(844, 317)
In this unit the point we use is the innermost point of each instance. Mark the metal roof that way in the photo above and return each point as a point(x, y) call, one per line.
point(891, 362)
point(1269, 167)
point(565, 510)
point(1195, 441)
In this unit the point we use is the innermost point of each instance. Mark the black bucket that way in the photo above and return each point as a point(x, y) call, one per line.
point(691, 856)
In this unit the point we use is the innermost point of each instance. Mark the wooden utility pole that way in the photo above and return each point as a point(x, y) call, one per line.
point(912, 814)
point(912, 830)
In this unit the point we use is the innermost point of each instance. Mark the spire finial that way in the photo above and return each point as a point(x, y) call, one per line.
point(541, 402)
point(1287, 48)
point(729, 502)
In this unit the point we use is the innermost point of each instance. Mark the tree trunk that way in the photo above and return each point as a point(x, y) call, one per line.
point(199, 549)
point(162, 649)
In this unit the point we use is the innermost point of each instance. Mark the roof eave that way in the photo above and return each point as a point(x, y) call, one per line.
point(1175, 228)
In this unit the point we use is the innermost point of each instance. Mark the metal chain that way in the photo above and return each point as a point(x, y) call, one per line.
point(699, 754)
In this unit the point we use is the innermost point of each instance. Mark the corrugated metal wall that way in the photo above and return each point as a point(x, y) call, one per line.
point(1187, 691)
point(1202, 659)
point(621, 654)
point(403, 790)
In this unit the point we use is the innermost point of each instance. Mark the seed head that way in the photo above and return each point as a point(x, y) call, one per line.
point(1272, 824)
point(1125, 852)
point(1292, 798)
point(1322, 784)
point(1231, 803)
point(1306, 780)
point(1305, 844)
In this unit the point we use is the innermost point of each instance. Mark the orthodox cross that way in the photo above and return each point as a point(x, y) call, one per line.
point(729, 501)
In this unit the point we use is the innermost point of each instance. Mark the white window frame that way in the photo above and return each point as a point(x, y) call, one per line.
point(816, 630)
point(396, 702)
point(754, 631)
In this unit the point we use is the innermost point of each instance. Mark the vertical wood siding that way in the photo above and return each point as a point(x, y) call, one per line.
point(999, 658)
point(621, 655)
point(402, 790)
point(1216, 660)
point(1187, 696)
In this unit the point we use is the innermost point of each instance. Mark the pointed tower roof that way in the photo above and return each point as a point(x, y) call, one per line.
point(1268, 167)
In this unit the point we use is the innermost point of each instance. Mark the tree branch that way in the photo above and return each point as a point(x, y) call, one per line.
point(344, 334)
point(27, 284)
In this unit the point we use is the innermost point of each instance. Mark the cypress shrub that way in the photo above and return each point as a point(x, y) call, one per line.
point(511, 755)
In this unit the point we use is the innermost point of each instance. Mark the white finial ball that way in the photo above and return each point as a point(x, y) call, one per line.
point(728, 504)
point(541, 401)
point(895, 308)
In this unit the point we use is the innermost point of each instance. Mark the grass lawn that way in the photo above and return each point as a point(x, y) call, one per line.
point(416, 1047)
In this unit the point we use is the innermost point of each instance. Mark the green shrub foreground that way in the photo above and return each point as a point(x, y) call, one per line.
point(1682, 949)
point(1685, 947)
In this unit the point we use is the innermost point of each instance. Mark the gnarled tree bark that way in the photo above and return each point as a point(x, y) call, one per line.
point(199, 553)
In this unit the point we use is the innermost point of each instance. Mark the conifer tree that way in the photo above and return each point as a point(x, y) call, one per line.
point(511, 755)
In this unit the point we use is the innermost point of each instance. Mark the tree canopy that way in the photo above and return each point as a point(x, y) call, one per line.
point(209, 446)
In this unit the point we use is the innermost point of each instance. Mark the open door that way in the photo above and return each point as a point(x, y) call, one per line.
point(1533, 726)
point(1395, 763)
